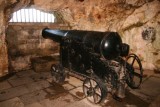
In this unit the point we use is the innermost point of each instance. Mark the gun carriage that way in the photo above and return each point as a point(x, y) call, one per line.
point(100, 57)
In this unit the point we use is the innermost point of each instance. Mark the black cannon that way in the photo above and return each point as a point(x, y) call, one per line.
point(99, 57)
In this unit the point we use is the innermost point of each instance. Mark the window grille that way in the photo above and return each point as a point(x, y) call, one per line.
point(32, 15)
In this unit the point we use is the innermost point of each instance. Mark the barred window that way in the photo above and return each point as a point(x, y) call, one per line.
point(32, 15)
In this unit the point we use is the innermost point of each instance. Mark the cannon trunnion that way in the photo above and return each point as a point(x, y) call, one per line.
point(98, 57)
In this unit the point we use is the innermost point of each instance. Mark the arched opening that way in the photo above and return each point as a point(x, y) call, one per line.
point(32, 15)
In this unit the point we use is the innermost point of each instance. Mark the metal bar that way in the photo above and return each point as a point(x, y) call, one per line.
point(40, 16)
point(28, 15)
point(11, 20)
point(13, 16)
point(47, 17)
point(19, 16)
point(24, 13)
point(16, 17)
point(20, 13)
point(52, 18)
point(43, 15)
point(32, 15)
point(36, 15)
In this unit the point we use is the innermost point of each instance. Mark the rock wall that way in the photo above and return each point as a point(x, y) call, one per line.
point(6, 8)
point(137, 21)
point(3, 48)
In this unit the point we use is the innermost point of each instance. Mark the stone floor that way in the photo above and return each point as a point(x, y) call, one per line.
point(32, 89)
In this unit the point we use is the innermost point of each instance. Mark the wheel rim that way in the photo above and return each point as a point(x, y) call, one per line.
point(135, 72)
point(92, 91)
point(57, 74)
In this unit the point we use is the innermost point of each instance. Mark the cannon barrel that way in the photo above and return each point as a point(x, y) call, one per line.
point(107, 44)
point(55, 35)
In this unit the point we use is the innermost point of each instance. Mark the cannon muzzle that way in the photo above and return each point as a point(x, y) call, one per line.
point(55, 35)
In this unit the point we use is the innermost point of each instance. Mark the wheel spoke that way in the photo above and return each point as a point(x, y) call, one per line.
point(90, 83)
point(86, 86)
point(98, 94)
point(133, 61)
point(137, 74)
point(96, 98)
point(97, 89)
point(94, 84)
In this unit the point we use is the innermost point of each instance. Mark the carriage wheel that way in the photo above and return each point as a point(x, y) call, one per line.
point(57, 73)
point(94, 90)
point(134, 70)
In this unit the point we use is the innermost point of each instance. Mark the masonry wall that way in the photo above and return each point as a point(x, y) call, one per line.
point(25, 42)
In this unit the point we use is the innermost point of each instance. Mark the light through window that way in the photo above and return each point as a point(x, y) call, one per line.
point(32, 15)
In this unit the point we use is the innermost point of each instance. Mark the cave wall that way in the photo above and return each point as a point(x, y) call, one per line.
point(6, 8)
point(137, 21)
point(3, 48)
point(141, 30)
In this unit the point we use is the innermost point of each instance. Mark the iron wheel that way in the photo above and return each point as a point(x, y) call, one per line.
point(94, 90)
point(58, 73)
point(134, 71)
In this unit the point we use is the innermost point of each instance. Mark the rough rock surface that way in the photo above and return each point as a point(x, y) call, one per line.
point(6, 8)
point(137, 21)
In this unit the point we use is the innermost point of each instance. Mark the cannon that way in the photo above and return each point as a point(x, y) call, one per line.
point(101, 58)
